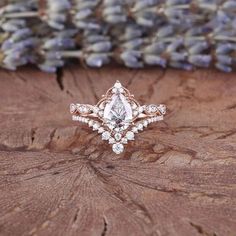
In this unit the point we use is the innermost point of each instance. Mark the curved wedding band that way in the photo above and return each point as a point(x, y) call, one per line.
point(117, 116)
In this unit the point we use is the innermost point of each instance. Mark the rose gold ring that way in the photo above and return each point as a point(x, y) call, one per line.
point(117, 116)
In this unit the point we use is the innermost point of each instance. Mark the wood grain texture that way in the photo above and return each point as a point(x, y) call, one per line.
point(58, 177)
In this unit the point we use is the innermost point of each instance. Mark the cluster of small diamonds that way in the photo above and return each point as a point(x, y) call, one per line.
point(81, 108)
point(151, 109)
point(117, 139)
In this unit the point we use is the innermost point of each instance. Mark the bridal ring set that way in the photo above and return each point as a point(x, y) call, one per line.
point(118, 117)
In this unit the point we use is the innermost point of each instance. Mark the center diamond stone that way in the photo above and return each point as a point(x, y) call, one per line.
point(118, 110)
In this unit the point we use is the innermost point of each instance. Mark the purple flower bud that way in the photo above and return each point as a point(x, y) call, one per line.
point(175, 44)
point(223, 67)
point(97, 60)
point(224, 48)
point(200, 60)
point(112, 10)
point(132, 32)
point(181, 65)
point(155, 48)
point(155, 60)
point(55, 25)
point(47, 68)
point(21, 34)
point(134, 65)
point(101, 47)
point(133, 44)
point(83, 14)
point(87, 25)
point(6, 45)
point(145, 22)
point(142, 4)
point(165, 31)
point(222, 17)
point(175, 56)
point(229, 5)
point(115, 19)
point(224, 59)
point(198, 48)
point(130, 57)
point(53, 55)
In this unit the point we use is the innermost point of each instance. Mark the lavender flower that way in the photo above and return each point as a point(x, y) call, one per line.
point(134, 33)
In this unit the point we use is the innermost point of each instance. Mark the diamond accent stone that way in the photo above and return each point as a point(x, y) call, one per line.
point(82, 108)
point(90, 123)
point(95, 110)
point(117, 88)
point(118, 136)
point(152, 108)
point(117, 85)
point(112, 140)
point(95, 126)
point(124, 140)
point(140, 109)
point(145, 123)
point(72, 108)
point(106, 135)
point(100, 130)
point(135, 129)
point(162, 109)
point(140, 127)
point(110, 126)
point(101, 113)
point(134, 106)
point(118, 148)
point(130, 135)
point(135, 113)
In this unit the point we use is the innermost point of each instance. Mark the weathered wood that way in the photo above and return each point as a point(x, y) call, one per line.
point(58, 178)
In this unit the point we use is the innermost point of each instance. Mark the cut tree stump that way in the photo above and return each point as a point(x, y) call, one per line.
point(57, 177)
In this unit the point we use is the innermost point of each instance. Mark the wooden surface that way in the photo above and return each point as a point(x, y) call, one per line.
point(57, 177)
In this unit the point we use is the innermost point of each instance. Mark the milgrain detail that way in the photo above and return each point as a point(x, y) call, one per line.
point(58, 178)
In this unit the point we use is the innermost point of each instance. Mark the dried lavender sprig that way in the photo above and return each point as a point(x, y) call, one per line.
point(16, 49)
point(193, 49)
point(163, 49)
point(129, 49)
point(90, 13)
point(50, 57)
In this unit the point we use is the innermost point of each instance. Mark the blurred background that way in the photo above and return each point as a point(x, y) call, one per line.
point(58, 177)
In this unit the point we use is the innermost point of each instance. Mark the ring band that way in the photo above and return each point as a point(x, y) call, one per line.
point(117, 116)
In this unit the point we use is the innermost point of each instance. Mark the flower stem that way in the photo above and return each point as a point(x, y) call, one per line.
point(22, 14)
point(71, 54)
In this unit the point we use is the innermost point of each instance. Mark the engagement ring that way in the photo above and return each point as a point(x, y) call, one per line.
point(118, 117)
